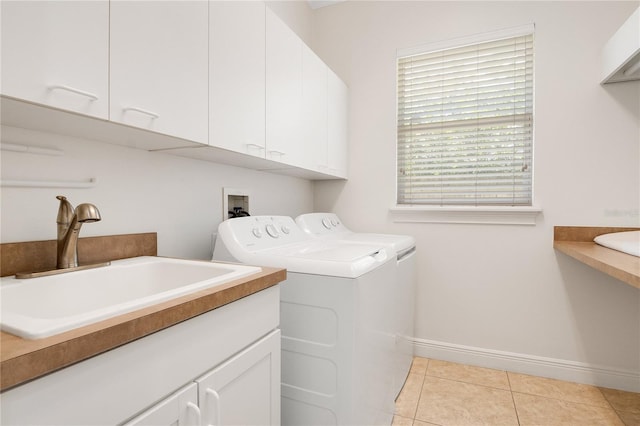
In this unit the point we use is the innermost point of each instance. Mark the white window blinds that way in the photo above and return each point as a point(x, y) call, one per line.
point(465, 124)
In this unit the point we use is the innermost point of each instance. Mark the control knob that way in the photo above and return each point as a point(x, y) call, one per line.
point(272, 231)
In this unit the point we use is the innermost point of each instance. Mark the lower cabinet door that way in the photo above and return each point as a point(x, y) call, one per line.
point(179, 409)
point(244, 390)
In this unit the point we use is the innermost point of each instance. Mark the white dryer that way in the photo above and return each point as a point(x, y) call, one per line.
point(337, 334)
point(403, 247)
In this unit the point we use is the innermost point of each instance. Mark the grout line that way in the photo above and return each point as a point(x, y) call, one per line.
point(415, 412)
point(611, 406)
point(428, 423)
point(470, 383)
point(515, 407)
point(566, 401)
point(621, 419)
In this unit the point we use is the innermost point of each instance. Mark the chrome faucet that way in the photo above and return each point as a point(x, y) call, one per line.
point(69, 223)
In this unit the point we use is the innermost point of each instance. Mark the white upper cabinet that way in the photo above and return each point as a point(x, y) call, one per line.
point(621, 54)
point(57, 53)
point(159, 66)
point(237, 76)
point(224, 81)
point(314, 112)
point(284, 93)
point(337, 126)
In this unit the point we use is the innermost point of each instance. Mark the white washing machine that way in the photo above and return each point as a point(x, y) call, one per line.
point(329, 226)
point(337, 334)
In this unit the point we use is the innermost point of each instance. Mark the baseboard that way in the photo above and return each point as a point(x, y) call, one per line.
point(561, 369)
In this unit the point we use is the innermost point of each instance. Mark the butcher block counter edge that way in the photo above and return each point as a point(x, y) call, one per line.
point(577, 242)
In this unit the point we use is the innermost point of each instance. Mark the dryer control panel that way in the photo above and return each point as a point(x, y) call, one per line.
point(321, 224)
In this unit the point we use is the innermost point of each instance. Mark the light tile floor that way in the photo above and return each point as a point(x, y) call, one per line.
point(449, 394)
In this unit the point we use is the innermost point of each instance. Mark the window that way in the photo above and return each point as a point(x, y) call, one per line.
point(465, 123)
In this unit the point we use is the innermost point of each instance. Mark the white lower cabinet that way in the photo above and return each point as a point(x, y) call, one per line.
point(220, 367)
point(179, 409)
point(244, 390)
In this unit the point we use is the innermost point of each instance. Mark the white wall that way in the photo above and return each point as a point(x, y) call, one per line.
point(140, 191)
point(136, 191)
point(499, 295)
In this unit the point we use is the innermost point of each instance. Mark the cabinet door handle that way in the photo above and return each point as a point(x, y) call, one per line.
point(89, 95)
point(216, 399)
point(255, 145)
point(280, 153)
point(153, 115)
point(196, 410)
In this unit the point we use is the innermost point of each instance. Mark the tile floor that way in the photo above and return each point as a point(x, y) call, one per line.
point(444, 393)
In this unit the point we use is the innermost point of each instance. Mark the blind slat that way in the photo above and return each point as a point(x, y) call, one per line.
point(465, 125)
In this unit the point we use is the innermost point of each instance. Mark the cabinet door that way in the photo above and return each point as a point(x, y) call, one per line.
point(159, 66)
point(245, 390)
point(237, 76)
point(337, 123)
point(284, 92)
point(179, 409)
point(314, 98)
point(57, 53)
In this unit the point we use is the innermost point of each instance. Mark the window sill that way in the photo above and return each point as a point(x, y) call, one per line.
point(499, 215)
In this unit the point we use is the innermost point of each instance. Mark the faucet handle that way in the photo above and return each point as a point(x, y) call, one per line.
point(65, 211)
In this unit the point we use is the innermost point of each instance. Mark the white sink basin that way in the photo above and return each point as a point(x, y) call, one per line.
point(45, 306)
point(626, 242)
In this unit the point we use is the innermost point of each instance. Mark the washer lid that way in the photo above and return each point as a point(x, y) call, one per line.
point(397, 243)
point(322, 257)
point(327, 250)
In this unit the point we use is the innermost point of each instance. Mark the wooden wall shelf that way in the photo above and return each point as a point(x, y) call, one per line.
point(577, 242)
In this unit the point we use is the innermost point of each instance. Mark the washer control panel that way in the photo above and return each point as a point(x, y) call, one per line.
point(261, 232)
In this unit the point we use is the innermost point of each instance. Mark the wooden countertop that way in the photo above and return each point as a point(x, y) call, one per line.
point(577, 242)
point(22, 360)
